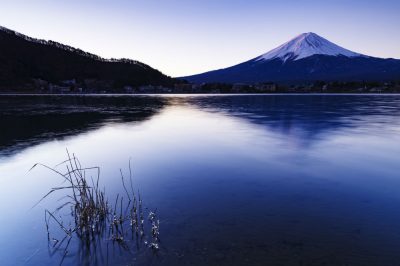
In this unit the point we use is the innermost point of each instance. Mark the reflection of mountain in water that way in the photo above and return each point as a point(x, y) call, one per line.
point(306, 117)
point(29, 120)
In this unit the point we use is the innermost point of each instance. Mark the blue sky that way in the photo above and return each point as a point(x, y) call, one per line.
point(187, 37)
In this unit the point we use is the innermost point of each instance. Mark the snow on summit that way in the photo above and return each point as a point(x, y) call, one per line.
point(305, 45)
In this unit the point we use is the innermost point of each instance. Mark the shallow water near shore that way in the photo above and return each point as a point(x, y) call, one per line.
point(236, 179)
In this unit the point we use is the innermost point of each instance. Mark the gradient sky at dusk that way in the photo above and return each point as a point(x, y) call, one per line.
point(187, 37)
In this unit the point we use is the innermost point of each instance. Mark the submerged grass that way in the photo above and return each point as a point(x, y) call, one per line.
point(91, 217)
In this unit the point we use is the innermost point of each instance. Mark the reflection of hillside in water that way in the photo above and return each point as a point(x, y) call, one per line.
point(30, 120)
point(307, 117)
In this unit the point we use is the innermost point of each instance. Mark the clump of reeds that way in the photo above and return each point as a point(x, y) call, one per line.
point(92, 213)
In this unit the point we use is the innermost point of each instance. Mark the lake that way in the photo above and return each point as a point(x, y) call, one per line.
point(236, 179)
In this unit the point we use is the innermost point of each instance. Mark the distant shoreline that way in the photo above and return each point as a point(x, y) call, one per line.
point(198, 94)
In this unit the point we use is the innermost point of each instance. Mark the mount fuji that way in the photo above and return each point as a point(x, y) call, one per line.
point(307, 57)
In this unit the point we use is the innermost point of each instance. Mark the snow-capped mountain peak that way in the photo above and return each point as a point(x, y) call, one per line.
point(305, 45)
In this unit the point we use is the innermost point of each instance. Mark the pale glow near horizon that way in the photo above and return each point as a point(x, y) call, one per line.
point(188, 37)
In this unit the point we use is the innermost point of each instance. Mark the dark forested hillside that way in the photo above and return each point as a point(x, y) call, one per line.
point(24, 60)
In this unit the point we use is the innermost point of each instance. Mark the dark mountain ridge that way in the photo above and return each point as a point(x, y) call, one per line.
point(23, 59)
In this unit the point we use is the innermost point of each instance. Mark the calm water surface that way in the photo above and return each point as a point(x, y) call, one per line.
point(237, 180)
